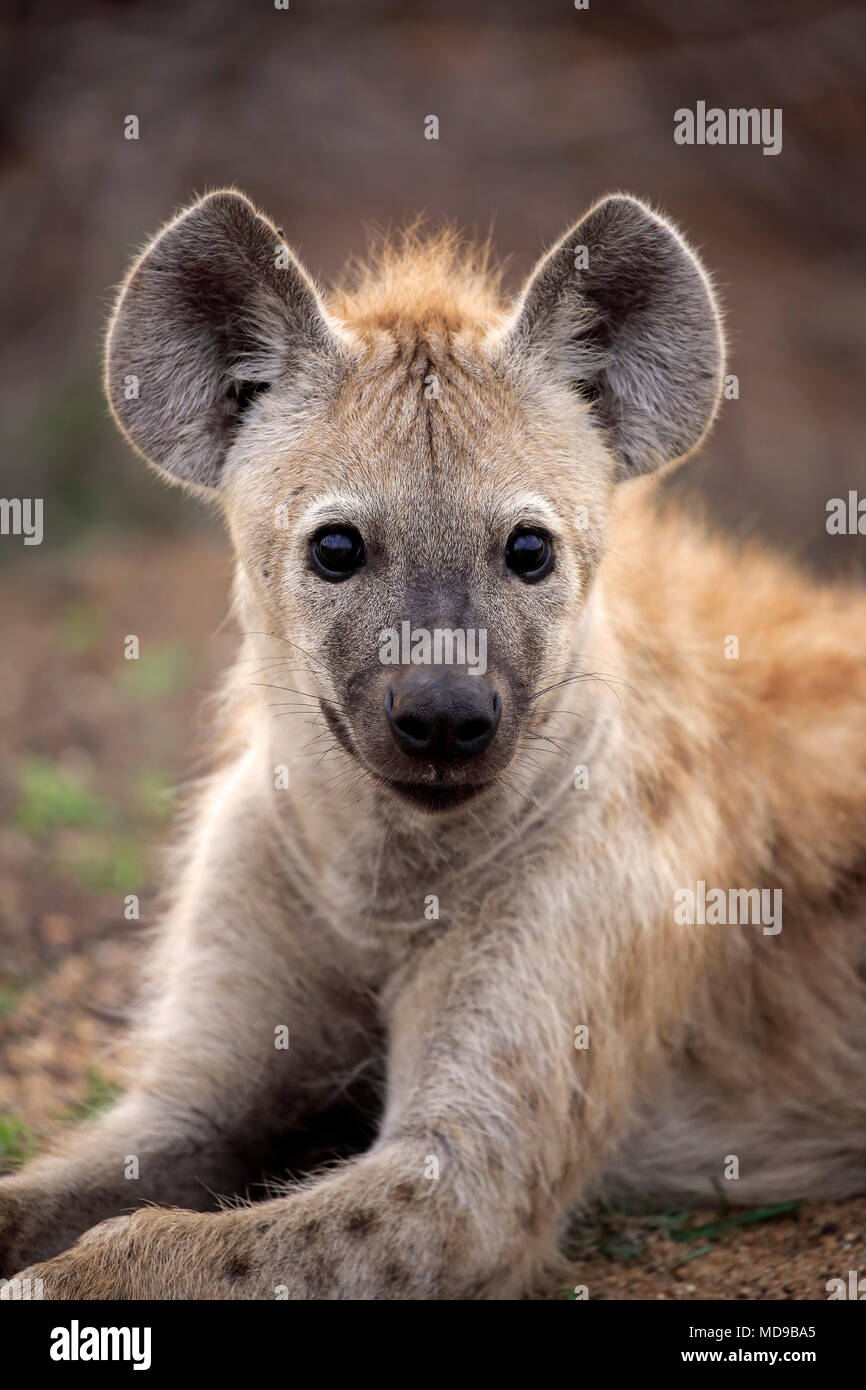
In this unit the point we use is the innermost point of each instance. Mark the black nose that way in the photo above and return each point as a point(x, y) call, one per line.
point(443, 719)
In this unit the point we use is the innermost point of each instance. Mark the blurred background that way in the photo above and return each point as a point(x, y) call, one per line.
point(317, 112)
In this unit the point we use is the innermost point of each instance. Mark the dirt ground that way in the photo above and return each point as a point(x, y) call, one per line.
point(91, 745)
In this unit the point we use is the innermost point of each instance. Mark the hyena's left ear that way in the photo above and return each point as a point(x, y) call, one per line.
point(622, 310)
point(214, 311)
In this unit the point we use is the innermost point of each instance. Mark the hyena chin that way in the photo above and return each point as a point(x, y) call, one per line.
point(427, 923)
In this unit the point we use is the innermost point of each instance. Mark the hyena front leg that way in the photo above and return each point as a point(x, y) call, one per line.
point(494, 1121)
point(244, 1038)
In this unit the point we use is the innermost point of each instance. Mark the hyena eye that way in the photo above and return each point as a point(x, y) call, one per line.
point(337, 553)
point(529, 554)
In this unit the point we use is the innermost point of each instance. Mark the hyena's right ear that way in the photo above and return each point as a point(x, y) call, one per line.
point(215, 310)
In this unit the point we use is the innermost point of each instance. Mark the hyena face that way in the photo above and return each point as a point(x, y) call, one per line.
point(430, 558)
point(418, 490)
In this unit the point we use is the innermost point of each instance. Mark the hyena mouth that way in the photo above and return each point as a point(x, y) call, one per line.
point(436, 796)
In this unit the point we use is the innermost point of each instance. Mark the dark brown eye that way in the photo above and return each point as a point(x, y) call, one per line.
point(529, 554)
point(337, 553)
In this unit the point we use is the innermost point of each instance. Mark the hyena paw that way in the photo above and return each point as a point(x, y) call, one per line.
point(89, 1269)
point(155, 1253)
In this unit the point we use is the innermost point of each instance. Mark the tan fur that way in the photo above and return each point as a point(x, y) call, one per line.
point(306, 907)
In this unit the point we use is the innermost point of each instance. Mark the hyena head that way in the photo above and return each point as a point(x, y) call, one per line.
point(417, 480)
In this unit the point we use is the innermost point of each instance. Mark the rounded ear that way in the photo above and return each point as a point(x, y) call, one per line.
point(622, 311)
point(214, 311)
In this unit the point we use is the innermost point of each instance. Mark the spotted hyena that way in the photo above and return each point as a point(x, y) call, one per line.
point(583, 917)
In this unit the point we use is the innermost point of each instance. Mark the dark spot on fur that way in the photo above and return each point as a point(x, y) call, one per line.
point(848, 890)
point(528, 1219)
point(535, 1186)
point(474, 1289)
point(657, 795)
point(404, 1192)
point(321, 1279)
point(494, 1165)
point(393, 1275)
point(361, 1222)
point(237, 1268)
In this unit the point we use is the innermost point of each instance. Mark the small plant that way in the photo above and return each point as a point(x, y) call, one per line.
point(109, 865)
point(623, 1235)
point(52, 797)
point(17, 1143)
point(100, 1094)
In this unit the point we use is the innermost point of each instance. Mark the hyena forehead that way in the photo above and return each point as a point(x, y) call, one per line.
point(490, 449)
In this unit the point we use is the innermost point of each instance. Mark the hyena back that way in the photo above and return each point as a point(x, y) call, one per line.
point(464, 885)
